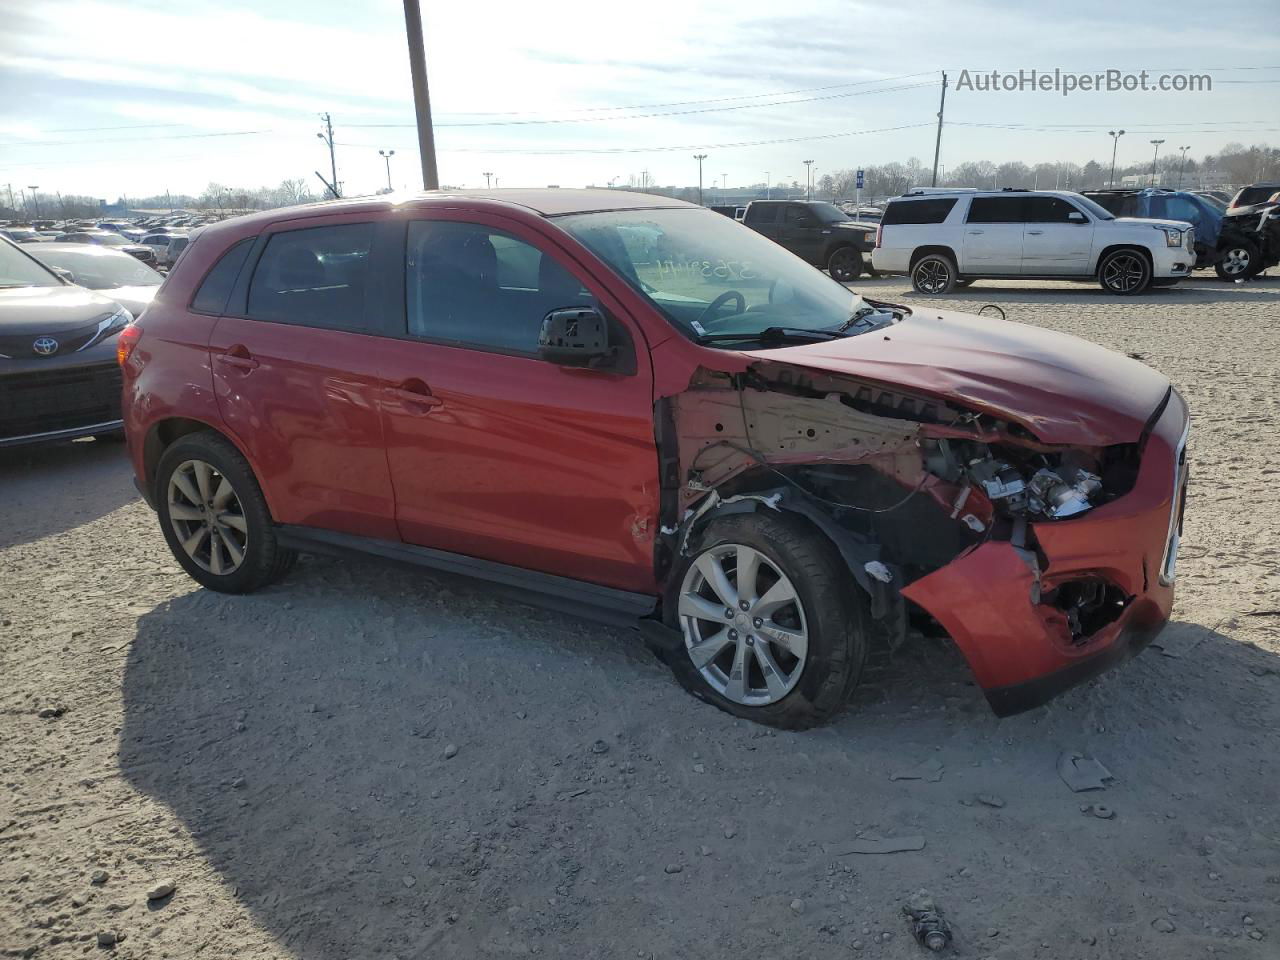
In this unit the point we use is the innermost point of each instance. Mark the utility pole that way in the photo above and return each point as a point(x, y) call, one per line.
point(768, 186)
point(699, 157)
point(9, 187)
point(35, 198)
point(808, 179)
point(937, 143)
point(327, 137)
point(1115, 140)
point(488, 174)
point(421, 99)
point(1182, 166)
point(1156, 144)
point(387, 155)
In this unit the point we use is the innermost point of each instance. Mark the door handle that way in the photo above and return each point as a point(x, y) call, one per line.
point(238, 356)
point(975, 232)
point(415, 395)
point(1035, 233)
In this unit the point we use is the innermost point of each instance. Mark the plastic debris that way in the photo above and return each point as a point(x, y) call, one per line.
point(928, 925)
point(1081, 773)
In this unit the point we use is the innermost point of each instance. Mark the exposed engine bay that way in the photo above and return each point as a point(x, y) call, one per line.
point(902, 484)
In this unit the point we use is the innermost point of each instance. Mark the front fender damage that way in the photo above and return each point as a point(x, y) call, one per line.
point(904, 486)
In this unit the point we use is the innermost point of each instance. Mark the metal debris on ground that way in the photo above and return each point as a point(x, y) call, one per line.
point(930, 770)
point(928, 925)
point(1080, 772)
point(864, 845)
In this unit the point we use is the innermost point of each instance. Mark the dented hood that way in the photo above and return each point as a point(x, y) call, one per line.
point(1061, 388)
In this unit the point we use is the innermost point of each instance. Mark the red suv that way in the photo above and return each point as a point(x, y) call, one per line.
point(639, 410)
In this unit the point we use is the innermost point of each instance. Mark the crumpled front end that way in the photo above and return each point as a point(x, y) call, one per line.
point(1075, 596)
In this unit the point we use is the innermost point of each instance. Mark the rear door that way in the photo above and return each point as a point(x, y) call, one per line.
point(992, 240)
point(296, 360)
point(1054, 244)
point(494, 452)
point(764, 219)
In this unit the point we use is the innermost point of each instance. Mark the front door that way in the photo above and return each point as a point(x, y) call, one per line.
point(802, 234)
point(1054, 244)
point(992, 242)
point(495, 453)
point(296, 375)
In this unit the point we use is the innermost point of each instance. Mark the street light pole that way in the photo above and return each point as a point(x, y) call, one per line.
point(387, 155)
point(35, 198)
point(487, 175)
point(421, 99)
point(1115, 140)
point(1182, 166)
point(768, 187)
point(699, 157)
point(1156, 144)
point(808, 179)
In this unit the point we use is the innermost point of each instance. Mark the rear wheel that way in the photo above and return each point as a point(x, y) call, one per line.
point(772, 623)
point(1124, 272)
point(845, 264)
point(214, 517)
point(934, 274)
point(1239, 261)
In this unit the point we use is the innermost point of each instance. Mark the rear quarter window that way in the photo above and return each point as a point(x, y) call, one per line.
point(216, 287)
point(934, 210)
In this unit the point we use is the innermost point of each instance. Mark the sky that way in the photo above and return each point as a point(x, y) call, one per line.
point(135, 97)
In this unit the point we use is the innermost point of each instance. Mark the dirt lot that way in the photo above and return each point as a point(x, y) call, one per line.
point(368, 761)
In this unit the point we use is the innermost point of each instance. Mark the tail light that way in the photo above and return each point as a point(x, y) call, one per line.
point(125, 343)
point(879, 233)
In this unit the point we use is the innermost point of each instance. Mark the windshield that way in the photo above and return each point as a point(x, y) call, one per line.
point(19, 270)
point(828, 212)
point(101, 270)
point(110, 239)
point(710, 275)
point(1099, 211)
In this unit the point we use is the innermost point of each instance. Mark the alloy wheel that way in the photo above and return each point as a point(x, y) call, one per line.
point(207, 517)
point(1124, 273)
point(845, 265)
point(932, 276)
point(744, 625)
point(1236, 262)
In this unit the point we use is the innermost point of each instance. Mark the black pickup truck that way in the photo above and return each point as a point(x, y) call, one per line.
point(818, 232)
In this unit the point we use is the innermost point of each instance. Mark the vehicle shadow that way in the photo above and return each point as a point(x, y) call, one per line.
point(98, 471)
point(382, 762)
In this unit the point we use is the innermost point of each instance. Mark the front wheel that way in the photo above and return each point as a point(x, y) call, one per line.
point(1124, 272)
point(214, 517)
point(845, 264)
point(1239, 261)
point(773, 625)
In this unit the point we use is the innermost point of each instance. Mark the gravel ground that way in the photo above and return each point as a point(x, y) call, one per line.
point(370, 761)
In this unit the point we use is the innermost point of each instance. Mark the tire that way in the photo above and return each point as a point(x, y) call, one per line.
point(190, 478)
point(933, 275)
point(811, 680)
point(1126, 272)
point(1240, 261)
point(845, 264)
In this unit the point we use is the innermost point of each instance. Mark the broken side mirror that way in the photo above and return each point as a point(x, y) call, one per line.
point(575, 337)
point(1075, 216)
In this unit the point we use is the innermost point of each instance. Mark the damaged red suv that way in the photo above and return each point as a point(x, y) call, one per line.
point(636, 409)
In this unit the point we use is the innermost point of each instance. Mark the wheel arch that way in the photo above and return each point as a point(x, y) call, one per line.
point(1116, 248)
point(164, 433)
point(919, 253)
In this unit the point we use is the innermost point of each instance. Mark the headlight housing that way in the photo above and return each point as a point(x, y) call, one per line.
point(109, 327)
point(1172, 236)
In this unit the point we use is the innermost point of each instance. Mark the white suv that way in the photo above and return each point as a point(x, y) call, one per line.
point(945, 239)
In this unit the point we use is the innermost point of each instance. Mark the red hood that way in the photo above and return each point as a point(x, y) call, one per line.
point(1063, 389)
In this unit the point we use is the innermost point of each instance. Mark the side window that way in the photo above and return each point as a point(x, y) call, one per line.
point(480, 287)
point(764, 213)
point(313, 277)
point(798, 214)
point(996, 210)
point(216, 287)
point(918, 211)
point(1048, 210)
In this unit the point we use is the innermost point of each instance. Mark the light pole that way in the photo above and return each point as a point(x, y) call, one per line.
point(808, 179)
point(768, 187)
point(35, 198)
point(1182, 166)
point(1115, 139)
point(489, 173)
point(1156, 144)
point(421, 98)
point(699, 157)
point(387, 155)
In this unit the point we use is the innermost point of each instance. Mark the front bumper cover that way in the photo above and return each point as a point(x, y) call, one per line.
point(992, 598)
